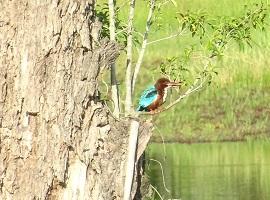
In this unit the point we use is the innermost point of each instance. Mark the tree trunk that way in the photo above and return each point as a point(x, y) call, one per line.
point(57, 139)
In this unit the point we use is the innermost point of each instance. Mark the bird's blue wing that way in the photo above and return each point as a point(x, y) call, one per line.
point(147, 97)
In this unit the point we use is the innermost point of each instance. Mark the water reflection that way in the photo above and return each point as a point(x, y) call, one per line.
point(212, 171)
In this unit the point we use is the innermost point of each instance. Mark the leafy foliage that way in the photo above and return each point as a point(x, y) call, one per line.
point(102, 13)
point(210, 36)
point(194, 22)
point(225, 29)
point(214, 36)
point(176, 67)
point(237, 29)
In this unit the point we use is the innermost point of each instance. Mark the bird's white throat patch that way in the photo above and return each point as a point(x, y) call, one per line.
point(165, 94)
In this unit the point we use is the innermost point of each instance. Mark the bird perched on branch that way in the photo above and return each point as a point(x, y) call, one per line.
point(154, 96)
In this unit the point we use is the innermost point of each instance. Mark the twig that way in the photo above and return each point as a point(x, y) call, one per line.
point(168, 37)
point(241, 23)
point(163, 142)
point(128, 100)
point(144, 43)
point(115, 90)
point(139, 33)
point(106, 85)
point(163, 179)
point(112, 19)
point(117, 119)
point(156, 191)
point(105, 102)
point(122, 5)
point(122, 30)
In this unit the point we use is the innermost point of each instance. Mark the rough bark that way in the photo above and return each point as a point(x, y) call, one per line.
point(57, 139)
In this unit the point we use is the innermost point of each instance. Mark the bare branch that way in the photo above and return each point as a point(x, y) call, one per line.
point(156, 191)
point(162, 173)
point(187, 93)
point(122, 30)
point(132, 147)
point(112, 19)
point(144, 43)
point(121, 6)
point(115, 90)
point(128, 101)
point(139, 33)
point(168, 37)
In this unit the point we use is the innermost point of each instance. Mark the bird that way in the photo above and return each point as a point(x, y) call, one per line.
point(155, 95)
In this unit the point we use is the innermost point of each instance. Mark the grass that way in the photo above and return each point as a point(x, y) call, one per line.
point(235, 107)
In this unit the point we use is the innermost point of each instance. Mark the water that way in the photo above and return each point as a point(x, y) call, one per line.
point(211, 171)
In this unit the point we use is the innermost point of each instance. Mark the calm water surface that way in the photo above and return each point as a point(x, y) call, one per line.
point(211, 171)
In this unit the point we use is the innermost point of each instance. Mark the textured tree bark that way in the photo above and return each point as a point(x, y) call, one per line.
point(57, 139)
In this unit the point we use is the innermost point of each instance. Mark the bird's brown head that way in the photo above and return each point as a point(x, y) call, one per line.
point(162, 83)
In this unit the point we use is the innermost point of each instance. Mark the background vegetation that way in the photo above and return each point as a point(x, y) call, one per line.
point(236, 106)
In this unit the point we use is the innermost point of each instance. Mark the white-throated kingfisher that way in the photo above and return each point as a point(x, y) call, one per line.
point(154, 96)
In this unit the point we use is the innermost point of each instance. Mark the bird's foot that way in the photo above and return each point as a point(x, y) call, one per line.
point(153, 112)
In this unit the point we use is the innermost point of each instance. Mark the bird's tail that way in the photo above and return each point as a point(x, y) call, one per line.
point(140, 108)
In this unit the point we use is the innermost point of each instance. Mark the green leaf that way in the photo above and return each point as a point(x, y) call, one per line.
point(174, 3)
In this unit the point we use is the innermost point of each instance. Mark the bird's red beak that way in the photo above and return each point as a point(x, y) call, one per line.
point(172, 84)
